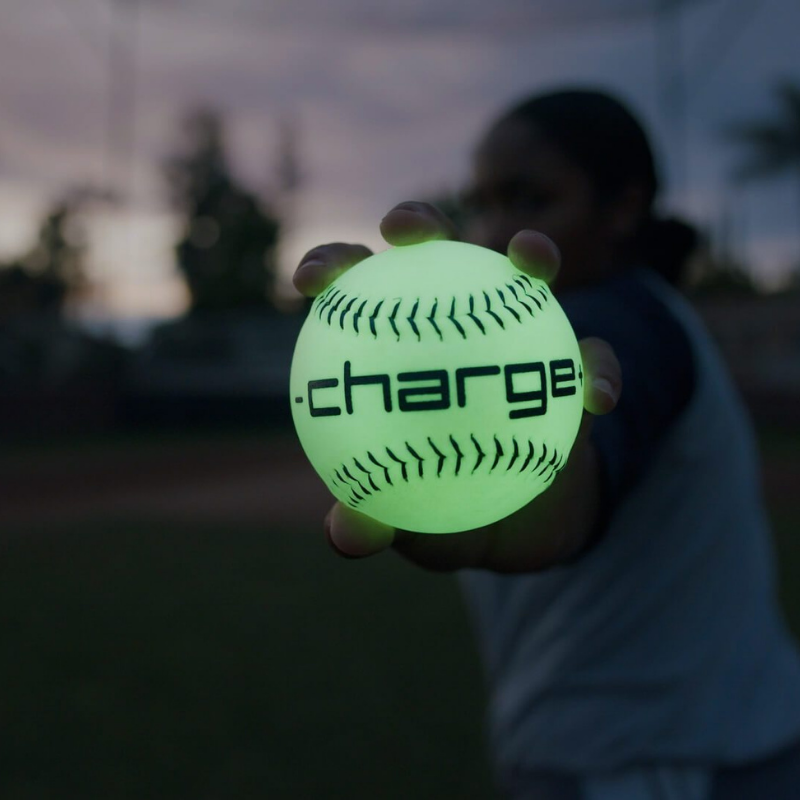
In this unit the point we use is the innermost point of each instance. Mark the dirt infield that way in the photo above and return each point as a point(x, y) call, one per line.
point(260, 479)
point(208, 480)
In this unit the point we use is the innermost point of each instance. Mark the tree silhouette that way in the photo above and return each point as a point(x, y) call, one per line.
point(722, 275)
point(53, 269)
point(227, 253)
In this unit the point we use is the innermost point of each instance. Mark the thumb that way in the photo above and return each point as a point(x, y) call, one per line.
point(355, 535)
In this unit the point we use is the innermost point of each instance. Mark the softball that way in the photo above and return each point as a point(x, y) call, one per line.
point(436, 388)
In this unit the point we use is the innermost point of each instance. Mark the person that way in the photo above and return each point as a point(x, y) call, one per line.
point(626, 618)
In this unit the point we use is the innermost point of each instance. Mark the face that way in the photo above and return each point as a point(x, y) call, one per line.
point(522, 181)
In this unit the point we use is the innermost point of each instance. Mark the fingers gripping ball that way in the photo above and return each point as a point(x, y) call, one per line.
point(437, 388)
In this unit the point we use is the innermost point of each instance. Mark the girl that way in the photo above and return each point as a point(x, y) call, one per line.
point(627, 617)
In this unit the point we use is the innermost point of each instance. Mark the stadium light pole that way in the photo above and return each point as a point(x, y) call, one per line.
point(121, 98)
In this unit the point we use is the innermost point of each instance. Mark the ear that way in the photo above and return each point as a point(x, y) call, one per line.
point(625, 212)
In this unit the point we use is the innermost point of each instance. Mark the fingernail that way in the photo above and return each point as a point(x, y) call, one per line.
point(603, 385)
point(403, 208)
point(314, 262)
point(408, 205)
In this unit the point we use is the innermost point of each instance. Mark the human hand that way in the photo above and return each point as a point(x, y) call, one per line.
point(553, 525)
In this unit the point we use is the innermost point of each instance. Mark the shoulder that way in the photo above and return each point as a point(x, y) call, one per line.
point(628, 314)
point(644, 331)
point(658, 376)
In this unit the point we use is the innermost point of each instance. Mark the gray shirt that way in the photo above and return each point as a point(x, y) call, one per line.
point(663, 642)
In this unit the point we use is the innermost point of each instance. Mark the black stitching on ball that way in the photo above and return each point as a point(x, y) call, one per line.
point(498, 454)
point(357, 316)
point(548, 466)
point(432, 320)
point(523, 287)
point(411, 321)
point(452, 317)
point(506, 306)
point(416, 455)
point(492, 313)
point(459, 454)
point(440, 454)
point(481, 454)
point(344, 311)
point(513, 290)
point(541, 459)
point(361, 486)
point(382, 466)
point(392, 318)
point(528, 458)
point(335, 306)
point(403, 467)
point(368, 474)
point(372, 318)
point(471, 315)
point(514, 455)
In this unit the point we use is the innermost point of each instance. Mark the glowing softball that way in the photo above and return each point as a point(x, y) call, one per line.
point(436, 388)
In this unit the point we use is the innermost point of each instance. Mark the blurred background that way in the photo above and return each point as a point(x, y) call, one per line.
point(173, 624)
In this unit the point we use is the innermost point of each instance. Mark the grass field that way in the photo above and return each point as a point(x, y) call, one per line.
point(787, 543)
point(145, 659)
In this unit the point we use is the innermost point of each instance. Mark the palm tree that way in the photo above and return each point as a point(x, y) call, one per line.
point(773, 145)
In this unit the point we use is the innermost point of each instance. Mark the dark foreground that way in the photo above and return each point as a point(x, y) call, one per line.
point(173, 626)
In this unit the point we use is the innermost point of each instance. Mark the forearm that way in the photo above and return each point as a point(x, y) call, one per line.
point(555, 526)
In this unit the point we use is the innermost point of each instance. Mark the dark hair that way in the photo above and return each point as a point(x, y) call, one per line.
point(598, 133)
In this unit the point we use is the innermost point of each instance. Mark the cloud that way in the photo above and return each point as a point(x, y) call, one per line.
point(389, 98)
point(419, 17)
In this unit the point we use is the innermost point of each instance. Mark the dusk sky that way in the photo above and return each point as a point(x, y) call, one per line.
point(388, 99)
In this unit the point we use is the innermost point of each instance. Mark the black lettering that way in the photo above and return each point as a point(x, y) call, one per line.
point(562, 371)
point(536, 395)
point(441, 390)
point(469, 372)
point(329, 411)
point(435, 394)
point(364, 380)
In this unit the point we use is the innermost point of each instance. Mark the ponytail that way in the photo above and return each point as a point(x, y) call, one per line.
point(666, 244)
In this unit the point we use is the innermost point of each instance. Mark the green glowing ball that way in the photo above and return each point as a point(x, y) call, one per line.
point(436, 388)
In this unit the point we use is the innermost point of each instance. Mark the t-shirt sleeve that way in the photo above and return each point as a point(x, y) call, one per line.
point(657, 380)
